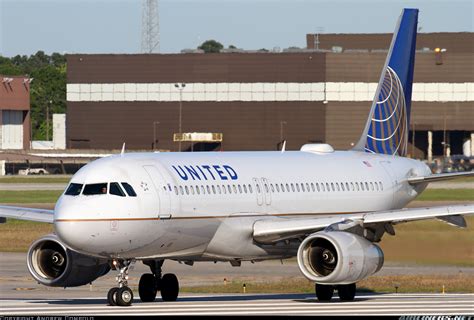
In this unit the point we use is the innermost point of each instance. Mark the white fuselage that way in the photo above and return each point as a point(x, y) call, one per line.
point(202, 206)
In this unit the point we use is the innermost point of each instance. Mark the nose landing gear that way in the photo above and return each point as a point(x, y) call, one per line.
point(121, 295)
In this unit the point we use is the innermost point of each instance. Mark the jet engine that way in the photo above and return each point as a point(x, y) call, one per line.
point(51, 263)
point(338, 257)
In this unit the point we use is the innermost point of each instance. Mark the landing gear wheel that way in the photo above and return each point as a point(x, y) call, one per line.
point(112, 296)
point(124, 297)
point(147, 287)
point(169, 287)
point(324, 292)
point(346, 292)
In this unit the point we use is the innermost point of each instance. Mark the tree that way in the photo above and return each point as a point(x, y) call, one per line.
point(211, 46)
point(48, 89)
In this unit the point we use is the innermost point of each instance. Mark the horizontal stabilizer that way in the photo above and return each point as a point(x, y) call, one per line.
point(440, 177)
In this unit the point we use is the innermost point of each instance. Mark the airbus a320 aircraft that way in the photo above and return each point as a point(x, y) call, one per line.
point(326, 207)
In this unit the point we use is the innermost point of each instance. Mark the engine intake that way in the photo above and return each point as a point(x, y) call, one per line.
point(338, 257)
point(51, 263)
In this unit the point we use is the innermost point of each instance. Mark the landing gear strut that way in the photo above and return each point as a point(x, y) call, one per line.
point(151, 283)
point(346, 292)
point(121, 295)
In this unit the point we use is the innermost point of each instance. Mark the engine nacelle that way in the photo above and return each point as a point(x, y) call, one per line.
point(51, 263)
point(338, 257)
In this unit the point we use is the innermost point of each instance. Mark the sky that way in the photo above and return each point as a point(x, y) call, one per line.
point(106, 26)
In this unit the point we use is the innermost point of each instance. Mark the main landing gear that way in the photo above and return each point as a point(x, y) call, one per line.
point(121, 295)
point(151, 283)
point(346, 292)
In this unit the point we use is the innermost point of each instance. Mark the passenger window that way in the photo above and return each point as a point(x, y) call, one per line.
point(302, 187)
point(187, 190)
point(362, 186)
point(116, 190)
point(352, 186)
point(240, 188)
point(224, 191)
point(258, 189)
point(381, 186)
point(208, 190)
point(128, 188)
point(342, 186)
point(372, 186)
point(181, 190)
point(282, 187)
point(287, 188)
point(297, 187)
point(332, 186)
point(176, 190)
point(347, 186)
point(192, 189)
point(74, 189)
point(322, 187)
point(312, 186)
point(292, 187)
point(357, 186)
point(266, 187)
point(250, 188)
point(327, 187)
point(317, 186)
point(245, 188)
point(197, 190)
point(213, 189)
point(337, 186)
point(273, 189)
point(277, 187)
point(235, 188)
point(229, 188)
point(95, 189)
point(367, 186)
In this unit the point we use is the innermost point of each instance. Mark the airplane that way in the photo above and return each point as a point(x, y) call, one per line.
point(327, 208)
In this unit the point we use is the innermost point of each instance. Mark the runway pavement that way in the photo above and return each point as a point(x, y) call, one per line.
point(290, 304)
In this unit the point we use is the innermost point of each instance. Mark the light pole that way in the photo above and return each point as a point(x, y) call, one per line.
point(155, 123)
point(47, 118)
point(180, 86)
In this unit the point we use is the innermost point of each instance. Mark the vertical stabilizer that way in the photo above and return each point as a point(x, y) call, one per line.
point(386, 130)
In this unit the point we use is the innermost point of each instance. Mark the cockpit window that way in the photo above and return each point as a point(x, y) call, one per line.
point(74, 189)
point(129, 189)
point(116, 190)
point(96, 188)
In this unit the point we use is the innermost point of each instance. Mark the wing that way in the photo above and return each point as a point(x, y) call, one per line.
point(31, 214)
point(440, 177)
point(277, 229)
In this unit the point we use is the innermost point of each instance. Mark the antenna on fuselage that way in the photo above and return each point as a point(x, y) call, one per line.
point(283, 147)
point(123, 149)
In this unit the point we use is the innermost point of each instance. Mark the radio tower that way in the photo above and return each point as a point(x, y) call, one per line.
point(150, 27)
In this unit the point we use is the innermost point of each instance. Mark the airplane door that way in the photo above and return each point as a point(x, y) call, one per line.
point(258, 191)
point(162, 193)
point(267, 192)
point(386, 165)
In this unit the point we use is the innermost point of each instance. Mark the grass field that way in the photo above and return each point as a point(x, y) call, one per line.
point(35, 179)
point(460, 283)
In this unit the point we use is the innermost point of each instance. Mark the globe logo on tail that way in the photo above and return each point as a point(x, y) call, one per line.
point(388, 132)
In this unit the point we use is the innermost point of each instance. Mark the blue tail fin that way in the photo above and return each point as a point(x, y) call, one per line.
point(386, 130)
